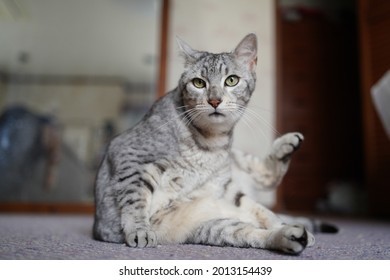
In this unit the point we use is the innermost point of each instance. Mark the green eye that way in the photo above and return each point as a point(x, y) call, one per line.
point(199, 83)
point(232, 80)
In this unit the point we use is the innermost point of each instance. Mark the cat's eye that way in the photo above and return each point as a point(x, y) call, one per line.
point(232, 80)
point(199, 83)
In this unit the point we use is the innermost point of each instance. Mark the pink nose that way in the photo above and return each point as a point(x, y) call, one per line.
point(214, 102)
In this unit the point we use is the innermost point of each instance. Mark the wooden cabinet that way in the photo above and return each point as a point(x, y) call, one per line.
point(325, 71)
point(318, 95)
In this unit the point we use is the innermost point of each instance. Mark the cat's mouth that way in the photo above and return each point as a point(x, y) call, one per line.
point(216, 114)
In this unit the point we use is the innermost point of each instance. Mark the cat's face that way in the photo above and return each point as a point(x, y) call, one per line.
point(217, 87)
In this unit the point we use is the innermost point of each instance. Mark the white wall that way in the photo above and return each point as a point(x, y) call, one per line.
point(219, 25)
point(88, 37)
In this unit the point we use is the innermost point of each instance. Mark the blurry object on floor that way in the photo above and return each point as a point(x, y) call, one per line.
point(34, 164)
point(345, 198)
point(380, 93)
point(26, 138)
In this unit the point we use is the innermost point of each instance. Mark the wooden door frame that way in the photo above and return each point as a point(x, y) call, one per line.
point(164, 37)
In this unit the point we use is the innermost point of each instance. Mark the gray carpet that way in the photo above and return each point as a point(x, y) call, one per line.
point(69, 237)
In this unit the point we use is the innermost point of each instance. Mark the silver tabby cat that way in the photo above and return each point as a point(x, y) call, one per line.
point(169, 179)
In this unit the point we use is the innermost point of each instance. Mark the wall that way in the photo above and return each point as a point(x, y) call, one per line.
point(88, 38)
point(216, 26)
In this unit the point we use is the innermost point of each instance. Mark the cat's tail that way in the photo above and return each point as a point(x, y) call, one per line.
point(325, 227)
point(312, 225)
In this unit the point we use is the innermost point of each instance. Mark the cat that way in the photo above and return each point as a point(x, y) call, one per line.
point(168, 180)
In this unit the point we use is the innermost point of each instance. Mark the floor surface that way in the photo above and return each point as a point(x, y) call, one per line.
point(69, 237)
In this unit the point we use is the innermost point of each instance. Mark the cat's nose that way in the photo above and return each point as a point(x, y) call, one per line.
point(214, 102)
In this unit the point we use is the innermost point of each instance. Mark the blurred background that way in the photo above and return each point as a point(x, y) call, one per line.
point(75, 73)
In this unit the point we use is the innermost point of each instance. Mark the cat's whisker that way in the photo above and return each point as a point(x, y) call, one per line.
point(196, 117)
point(257, 114)
point(251, 124)
point(246, 122)
point(191, 116)
point(260, 132)
point(180, 107)
point(164, 124)
point(263, 120)
point(247, 119)
point(173, 119)
point(267, 110)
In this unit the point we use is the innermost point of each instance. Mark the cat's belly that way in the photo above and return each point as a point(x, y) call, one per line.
point(175, 184)
point(181, 183)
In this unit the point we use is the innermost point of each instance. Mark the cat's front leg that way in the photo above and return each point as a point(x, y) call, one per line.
point(284, 146)
point(141, 238)
point(134, 199)
point(137, 234)
point(269, 172)
point(278, 160)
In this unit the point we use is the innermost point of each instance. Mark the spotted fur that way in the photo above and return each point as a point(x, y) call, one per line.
point(169, 179)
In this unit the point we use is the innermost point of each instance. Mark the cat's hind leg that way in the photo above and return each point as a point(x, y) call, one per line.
point(233, 232)
point(217, 222)
point(106, 226)
point(265, 218)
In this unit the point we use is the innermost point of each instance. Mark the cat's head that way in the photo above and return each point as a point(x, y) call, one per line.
point(216, 88)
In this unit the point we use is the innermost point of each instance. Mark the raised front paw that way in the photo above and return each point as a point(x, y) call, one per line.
point(286, 145)
point(291, 239)
point(141, 238)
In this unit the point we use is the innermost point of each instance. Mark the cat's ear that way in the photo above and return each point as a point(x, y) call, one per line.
point(246, 51)
point(189, 54)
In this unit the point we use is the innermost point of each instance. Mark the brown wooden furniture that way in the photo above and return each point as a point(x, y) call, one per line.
point(324, 76)
point(317, 94)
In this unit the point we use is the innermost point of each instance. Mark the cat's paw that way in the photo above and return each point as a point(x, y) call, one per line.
point(292, 239)
point(284, 146)
point(141, 238)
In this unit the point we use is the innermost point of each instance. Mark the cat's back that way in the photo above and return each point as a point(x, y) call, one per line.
point(155, 136)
